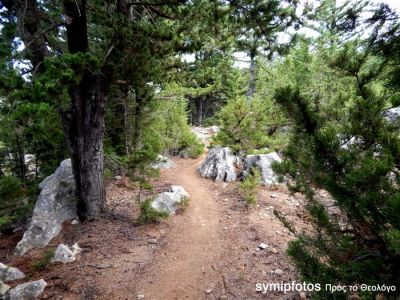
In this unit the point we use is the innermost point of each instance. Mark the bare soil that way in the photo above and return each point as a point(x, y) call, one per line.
point(207, 251)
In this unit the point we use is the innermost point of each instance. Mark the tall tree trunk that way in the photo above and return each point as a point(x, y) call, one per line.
point(84, 127)
point(252, 81)
point(84, 121)
point(199, 110)
point(136, 125)
point(129, 104)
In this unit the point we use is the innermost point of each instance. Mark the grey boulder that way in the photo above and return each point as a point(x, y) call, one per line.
point(263, 162)
point(219, 165)
point(56, 203)
point(26, 291)
point(10, 273)
point(169, 201)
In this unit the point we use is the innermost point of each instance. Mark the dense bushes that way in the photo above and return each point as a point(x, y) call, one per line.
point(351, 152)
point(16, 200)
point(165, 127)
point(243, 125)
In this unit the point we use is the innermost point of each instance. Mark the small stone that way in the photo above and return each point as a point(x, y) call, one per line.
point(225, 228)
point(208, 291)
point(66, 254)
point(278, 272)
point(74, 222)
point(273, 196)
point(141, 296)
point(118, 177)
point(152, 241)
point(262, 246)
point(274, 251)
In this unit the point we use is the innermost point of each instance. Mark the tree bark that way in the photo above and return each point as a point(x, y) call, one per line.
point(84, 121)
point(199, 109)
point(252, 81)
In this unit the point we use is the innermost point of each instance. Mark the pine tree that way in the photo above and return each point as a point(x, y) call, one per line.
point(353, 154)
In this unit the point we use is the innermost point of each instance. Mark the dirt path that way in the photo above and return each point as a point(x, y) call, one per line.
point(208, 251)
point(185, 268)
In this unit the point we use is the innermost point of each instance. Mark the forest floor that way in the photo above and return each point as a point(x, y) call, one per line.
point(207, 251)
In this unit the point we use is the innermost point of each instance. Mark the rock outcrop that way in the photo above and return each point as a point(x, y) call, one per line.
point(219, 165)
point(169, 201)
point(26, 291)
point(8, 274)
point(56, 203)
point(163, 162)
point(263, 162)
point(66, 254)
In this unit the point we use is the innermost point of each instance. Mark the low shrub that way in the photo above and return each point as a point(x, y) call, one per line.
point(248, 187)
point(44, 261)
point(148, 214)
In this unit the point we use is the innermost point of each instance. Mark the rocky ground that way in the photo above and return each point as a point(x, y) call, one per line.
point(208, 251)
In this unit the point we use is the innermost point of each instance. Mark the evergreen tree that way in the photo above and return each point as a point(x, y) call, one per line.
point(353, 154)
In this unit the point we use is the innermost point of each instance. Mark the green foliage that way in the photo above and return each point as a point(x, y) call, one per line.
point(248, 187)
point(16, 200)
point(342, 144)
point(183, 204)
point(148, 214)
point(10, 188)
point(243, 125)
point(165, 128)
point(44, 261)
point(4, 220)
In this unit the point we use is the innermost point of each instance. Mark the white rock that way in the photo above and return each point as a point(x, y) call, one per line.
point(168, 201)
point(208, 291)
point(262, 246)
point(66, 254)
point(163, 162)
point(8, 274)
point(74, 222)
point(27, 291)
point(56, 203)
point(219, 165)
point(263, 162)
point(278, 272)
